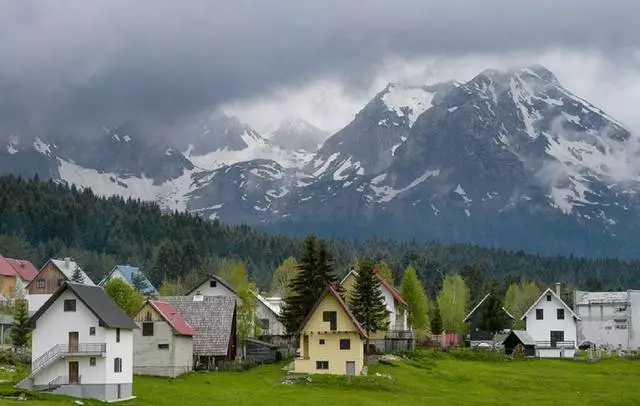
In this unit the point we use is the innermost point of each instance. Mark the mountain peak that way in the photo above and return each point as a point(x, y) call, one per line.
point(294, 133)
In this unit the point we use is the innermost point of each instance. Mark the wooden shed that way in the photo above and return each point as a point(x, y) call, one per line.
point(519, 341)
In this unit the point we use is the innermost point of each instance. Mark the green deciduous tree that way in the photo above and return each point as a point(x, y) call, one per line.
point(282, 277)
point(453, 302)
point(518, 299)
point(20, 329)
point(386, 272)
point(171, 288)
point(367, 301)
point(129, 299)
point(412, 291)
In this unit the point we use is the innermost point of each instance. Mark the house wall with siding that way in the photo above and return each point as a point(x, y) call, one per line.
point(52, 277)
point(317, 329)
point(206, 289)
point(276, 328)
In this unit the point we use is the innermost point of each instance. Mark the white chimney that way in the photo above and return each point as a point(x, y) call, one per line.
point(558, 290)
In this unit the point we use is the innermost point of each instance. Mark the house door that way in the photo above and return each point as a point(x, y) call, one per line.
point(74, 377)
point(73, 341)
point(351, 368)
point(556, 336)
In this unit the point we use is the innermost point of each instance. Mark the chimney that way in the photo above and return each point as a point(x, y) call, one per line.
point(558, 290)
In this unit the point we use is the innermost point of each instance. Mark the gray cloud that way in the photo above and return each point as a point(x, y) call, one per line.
point(72, 65)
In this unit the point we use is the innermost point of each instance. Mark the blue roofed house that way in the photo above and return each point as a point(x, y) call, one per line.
point(129, 274)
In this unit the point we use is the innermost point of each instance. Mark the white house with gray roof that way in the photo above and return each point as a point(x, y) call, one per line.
point(268, 316)
point(212, 286)
point(82, 345)
point(608, 319)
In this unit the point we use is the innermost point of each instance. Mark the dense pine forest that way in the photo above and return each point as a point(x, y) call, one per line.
point(39, 220)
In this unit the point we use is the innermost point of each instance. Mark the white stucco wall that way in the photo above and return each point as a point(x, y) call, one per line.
point(540, 330)
point(602, 324)
point(634, 318)
point(124, 350)
point(36, 301)
point(150, 360)
point(276, 328)
point(206, 290)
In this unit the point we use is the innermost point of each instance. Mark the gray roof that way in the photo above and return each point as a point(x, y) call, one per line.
point(68, 267)
point(211, 318)
point(524, 337)
point(96, 299)
point(586, 298)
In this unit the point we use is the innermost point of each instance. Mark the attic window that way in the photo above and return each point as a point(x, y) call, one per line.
point(560, 314)
point(70, 305)
point(40, 284)
point(332, 318)
point(213, 283)
point(147, 328)
point(548, 297)
point(539, 314)
point(92, 331)
point(264, 324)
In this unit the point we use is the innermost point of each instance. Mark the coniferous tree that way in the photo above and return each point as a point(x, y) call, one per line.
point(20, 328)
point(367, 301)
point(324, 273)
point(436, 320)
point(493, 318)
point(77, 276)
point(139, 282)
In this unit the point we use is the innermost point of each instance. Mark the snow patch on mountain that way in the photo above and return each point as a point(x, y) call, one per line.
point(387, 193)
point(42, 147)
point(409, 101)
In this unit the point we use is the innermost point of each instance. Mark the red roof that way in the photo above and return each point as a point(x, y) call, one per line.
point(171, 316)
point(390, 288)
point(5, 267)
point(24, 269)
point(336, 295)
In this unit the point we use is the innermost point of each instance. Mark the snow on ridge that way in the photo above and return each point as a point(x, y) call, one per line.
point(416, 99)
point(42, 147)
point(326, 164)
point(11, 149)
point(337, 175)
point(395, 147)
point(388, 193)
point(461, 192)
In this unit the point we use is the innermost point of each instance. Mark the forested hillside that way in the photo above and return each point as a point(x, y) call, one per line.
point(41, 220)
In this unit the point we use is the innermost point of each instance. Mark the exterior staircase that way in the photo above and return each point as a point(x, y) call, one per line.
point(61, 350)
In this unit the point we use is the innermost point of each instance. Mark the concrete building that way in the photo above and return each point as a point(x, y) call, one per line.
point(608, 319)
point(553, 325)
point(82, 345)
point(331, 339)
point(163, 344)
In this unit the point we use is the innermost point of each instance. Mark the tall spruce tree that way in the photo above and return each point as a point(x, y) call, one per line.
point(436, 320)
point(367, 301)
point(77, 276)
point(20, 328)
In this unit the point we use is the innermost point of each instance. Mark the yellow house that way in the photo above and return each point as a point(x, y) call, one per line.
point(331, 339)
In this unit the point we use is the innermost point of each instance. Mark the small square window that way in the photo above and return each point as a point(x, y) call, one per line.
point(548, 297)
point(163, 346)
point(345, 344)
point(92, 331)
point(322, 364)
point(70, 305)
point(264, 324)
point(147, 328)
point(117, 335)
point(213, 283)
point(40, 284)
point(92, 361)
point(560, 314)
point(539, 314)
point(322, 341)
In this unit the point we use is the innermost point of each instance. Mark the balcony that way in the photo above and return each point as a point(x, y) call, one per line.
point(556, 344)
point(62, 350)
point(399, 335)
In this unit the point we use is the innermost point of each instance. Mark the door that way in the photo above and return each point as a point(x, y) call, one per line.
point(351, 368)
point(74, 376)
point(556, 336)
point(73, 341)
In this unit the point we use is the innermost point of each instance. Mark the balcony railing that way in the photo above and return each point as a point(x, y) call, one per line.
point(399, 334)
point(66, 349)
point(556, 344)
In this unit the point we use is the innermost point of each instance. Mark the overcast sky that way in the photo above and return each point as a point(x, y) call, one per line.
point(69, 65)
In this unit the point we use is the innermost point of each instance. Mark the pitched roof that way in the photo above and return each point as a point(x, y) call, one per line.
point(217, 278)
point(96, 299)
point(128, 272)
point(383, 282)
point(5, 268)
point(266, 303)
point(587, 298)
point(549, 290)
point(479, 304)
point(171, 316)
point(67, 267)
point(23, 268)
point(211, 318)
point(523, 336)
point(333, 292)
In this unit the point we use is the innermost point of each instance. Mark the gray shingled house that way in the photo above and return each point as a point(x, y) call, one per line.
point(213, 319)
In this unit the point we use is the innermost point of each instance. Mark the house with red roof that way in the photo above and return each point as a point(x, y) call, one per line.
point(15, 275)
point(331, 339)
point(399, 334)
point(163, 345)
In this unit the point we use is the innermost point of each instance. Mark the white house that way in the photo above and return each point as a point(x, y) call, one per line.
point(608, 319)
point(132, 276)
point(212, 286)
point(269, 317)
point(553, 325)
point(82, 345)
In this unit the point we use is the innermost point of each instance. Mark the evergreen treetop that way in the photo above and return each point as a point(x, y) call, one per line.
point(20, 329)
point(367, 302)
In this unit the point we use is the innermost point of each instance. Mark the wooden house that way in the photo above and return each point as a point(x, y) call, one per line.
point(518, 341)
point(51, 276)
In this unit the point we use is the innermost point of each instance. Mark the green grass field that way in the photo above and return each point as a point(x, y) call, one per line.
point(430, 377)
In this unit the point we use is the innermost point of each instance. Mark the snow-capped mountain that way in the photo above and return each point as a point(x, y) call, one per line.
point(297, 134)
point(511, 159)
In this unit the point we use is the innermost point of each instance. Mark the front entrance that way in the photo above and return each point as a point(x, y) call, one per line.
point(74, 376)
point(73, 341)
point(351, 368)
point(555, 337)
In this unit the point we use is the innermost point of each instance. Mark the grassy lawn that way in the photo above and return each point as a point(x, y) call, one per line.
point(443, 378)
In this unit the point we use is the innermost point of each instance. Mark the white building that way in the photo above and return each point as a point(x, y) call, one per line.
point(269, 317)
point(553, 325)
point(609, 319)
point(212, 286)
point(82, 345)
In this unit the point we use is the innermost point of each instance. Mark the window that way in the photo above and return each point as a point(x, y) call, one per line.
point(213, 283)
point(555, 337)
point(548, 297)
point(40, 284)
point(92, 331)
point(264, 324)
point(163, 346)
point(147, 328)
point(70, 305)
point(539, 314)
point(117, 335)
point(560, 314)
point(345, 344)
point(322, 364)
point(117, 365)
point(621, 326)
point(331, 317)
point(92, 361)
point(322, 341)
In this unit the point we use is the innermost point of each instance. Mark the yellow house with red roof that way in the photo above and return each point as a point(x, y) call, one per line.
point(331, 339)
